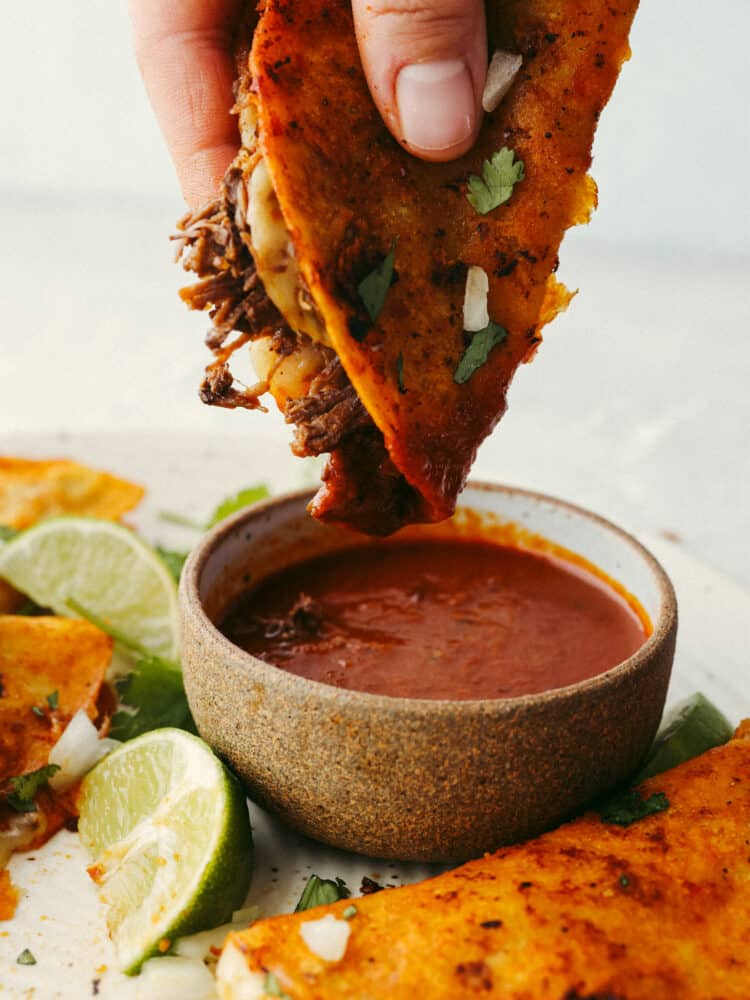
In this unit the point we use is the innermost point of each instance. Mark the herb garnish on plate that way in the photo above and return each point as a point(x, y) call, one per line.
point(237, 501)
point(321, 892)
point(629, 807)
point(152, 695)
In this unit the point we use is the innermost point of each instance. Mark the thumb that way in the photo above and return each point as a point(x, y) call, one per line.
point(426, 64)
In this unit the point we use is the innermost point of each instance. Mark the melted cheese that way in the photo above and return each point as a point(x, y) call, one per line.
point(274, 257)
point(288, 377)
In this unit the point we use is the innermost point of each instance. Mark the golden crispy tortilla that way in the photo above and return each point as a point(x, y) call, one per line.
point(347, 191)
point(37, 657)
point(50, 668)
point(654, 911)
point(31, 490)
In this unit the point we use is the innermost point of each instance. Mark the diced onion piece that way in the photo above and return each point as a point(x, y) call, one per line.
point(501, 73)
point(171, 978)
point(247, 915)
point(476, 316)
point(234, 980)
point(77, 750)
point(327, 938)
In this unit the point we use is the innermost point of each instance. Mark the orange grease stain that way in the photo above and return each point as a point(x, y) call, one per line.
point(8, 896)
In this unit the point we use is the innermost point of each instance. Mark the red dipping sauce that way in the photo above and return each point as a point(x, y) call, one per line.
point(442, 619)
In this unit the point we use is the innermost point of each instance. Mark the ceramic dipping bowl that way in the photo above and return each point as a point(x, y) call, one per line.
point(418, 779)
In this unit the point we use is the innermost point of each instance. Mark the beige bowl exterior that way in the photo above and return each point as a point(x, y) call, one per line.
point(407, 778)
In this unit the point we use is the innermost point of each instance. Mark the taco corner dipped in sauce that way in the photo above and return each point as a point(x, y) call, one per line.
point(442, 619)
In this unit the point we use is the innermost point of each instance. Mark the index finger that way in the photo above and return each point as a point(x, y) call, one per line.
point(184, 50)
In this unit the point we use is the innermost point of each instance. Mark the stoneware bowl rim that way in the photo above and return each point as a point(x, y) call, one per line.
point(192, 605)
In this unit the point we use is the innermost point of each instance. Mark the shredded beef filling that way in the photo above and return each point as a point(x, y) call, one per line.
point(214, 244)
point(329, 412)
point(361, 486)
point(304, 622)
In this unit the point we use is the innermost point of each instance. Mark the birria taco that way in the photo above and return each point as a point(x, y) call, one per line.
point(387, 302)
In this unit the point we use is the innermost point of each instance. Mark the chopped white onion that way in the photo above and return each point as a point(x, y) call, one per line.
point(77, 750)
point(234, 980)
point(247, 915)
point(171, 978)
point(326, 937)
point(476, 316)
point(501, 73)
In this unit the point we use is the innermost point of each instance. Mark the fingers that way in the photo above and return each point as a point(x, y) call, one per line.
point(184, 52)
point(426, 62)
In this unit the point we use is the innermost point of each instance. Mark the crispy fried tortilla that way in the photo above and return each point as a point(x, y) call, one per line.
point(654, 911)
point(37, 657)
point(31, 490)
point(319, 196)
point(50, 668)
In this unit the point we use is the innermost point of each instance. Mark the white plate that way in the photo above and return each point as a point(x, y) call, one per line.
point(59, 918)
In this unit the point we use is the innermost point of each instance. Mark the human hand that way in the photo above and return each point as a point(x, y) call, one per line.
point(425, 64)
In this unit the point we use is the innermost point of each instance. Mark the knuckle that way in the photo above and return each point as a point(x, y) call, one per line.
point(417, 17)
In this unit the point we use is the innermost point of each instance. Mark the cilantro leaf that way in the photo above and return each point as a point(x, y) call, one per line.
point(478, 351)
point(350, 912)
point(25, 787)
point(172, 517)
point(53, 700)
point(152, 697)
point(320, 892)
point(245, 498)
point(6, 532)
point(373, 289)
point(174, 561)
point(26, 958)
point(630, 806)
point(499, 176)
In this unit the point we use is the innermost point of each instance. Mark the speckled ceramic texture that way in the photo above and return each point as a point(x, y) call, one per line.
point(407, 778)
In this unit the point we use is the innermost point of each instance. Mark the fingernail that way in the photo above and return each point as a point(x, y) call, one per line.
point(436, 104)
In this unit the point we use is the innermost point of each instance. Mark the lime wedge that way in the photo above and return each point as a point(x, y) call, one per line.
point(107, 569)
point(688, 730)
point(169, 830)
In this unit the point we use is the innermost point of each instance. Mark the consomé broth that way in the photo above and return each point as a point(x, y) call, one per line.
point(439, 618)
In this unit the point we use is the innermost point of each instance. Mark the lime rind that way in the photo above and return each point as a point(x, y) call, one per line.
point(169, 828)
point(103, 566)
point(692, 727)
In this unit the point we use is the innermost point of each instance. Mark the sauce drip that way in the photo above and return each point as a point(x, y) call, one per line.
point(441, 619)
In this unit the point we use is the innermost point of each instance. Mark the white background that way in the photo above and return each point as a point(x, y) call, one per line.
point(637, 404)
